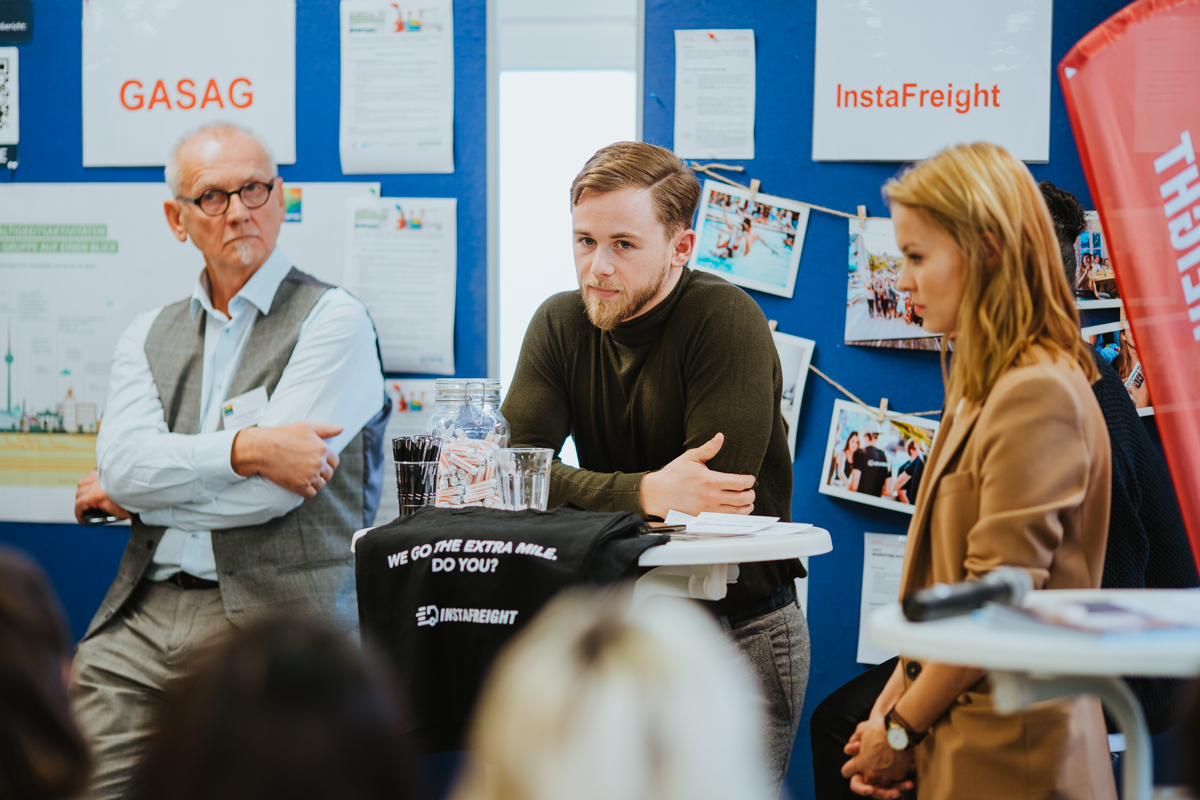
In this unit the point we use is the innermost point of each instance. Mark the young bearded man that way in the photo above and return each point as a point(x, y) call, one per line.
point(670, 384)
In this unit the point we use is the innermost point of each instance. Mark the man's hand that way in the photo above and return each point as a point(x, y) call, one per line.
point(875, 769)
point(88, 494)
point(688, 485)
point(293, 456)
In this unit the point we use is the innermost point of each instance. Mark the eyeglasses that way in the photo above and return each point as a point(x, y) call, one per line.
point(215, 202)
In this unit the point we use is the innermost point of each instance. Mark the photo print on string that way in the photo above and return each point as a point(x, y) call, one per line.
point(877, 313)
point(1114, 342)
point(753, 244)
point(795, 354)
point(1095, 281)
point(876, 463)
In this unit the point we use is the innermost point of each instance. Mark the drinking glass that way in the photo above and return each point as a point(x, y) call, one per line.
point(524, 477)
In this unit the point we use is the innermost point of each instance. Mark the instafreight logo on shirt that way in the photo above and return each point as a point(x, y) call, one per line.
point(428, 616)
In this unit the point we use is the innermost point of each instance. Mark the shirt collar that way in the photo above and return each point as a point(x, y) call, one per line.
point(259, 291)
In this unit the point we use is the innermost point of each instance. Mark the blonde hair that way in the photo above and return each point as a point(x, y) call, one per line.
point(1015, 296)
point(593, 703)
point(623, 165)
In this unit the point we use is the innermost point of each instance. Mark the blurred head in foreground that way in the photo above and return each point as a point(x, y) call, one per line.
point(593, 703)
point(289, 710)
point(42, 752)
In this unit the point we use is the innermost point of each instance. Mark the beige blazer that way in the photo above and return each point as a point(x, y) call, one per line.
point(1021, 480)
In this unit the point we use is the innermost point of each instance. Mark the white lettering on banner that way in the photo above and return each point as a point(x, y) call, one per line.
point(429, 616)
point(472, 565)
point(1184, 190)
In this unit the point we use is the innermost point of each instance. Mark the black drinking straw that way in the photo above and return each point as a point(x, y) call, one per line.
point(416, 448)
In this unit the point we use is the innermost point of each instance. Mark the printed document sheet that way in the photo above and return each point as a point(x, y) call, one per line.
point(883, 560)
point(401, 261)
point(397, 111)
point(714, 94)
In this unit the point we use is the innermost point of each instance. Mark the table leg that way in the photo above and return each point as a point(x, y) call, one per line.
point(1013, 691)
point(698, 581)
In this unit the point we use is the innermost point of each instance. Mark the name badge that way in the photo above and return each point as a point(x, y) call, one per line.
point(244, 410)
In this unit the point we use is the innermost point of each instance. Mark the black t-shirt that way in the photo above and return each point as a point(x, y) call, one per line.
point(914, 469)
point(873, 465)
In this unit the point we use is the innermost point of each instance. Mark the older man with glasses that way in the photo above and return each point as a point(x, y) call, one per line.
point(243, 439)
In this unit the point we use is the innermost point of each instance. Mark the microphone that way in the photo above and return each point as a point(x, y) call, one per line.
point(1007, 585)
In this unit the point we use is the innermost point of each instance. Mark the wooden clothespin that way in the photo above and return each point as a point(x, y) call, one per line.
point(882, 403)
point(862, 218)
point(754, 184)
point(772, 324)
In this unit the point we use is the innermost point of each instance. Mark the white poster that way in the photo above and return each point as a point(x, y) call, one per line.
point(313, 235)
point(883, 562)
point(153, 71)
point(401, 261)
point(397, 106)
point(714, 94)
point(10, 114)
point(412, 406)
point(79, 262)
point(896, 81)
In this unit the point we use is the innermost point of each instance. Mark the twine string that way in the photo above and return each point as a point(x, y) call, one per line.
point(874, 410)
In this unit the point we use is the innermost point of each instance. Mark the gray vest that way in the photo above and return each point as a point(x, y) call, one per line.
point(299, 563)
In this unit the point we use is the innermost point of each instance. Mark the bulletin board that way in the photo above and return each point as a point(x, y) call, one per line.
point(83, 561)
point(785, 33)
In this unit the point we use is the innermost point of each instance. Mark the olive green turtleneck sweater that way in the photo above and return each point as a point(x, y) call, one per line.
point(638, 396)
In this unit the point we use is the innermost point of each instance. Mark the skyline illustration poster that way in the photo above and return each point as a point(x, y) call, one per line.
point(75, 275)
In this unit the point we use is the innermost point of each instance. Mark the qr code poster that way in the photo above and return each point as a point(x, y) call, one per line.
point(9, 115)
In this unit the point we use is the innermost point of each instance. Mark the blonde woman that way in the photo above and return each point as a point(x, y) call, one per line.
point(1019, 475)
point(591, 703)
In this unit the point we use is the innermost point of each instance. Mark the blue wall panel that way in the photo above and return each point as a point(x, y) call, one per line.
point(83, 562)
point(785, 35)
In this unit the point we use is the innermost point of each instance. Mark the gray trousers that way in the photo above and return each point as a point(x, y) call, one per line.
point(124, 670)
point(776, 647)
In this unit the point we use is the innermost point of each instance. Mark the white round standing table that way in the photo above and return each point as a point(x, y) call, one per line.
point(1027, 664)
point(702, 569)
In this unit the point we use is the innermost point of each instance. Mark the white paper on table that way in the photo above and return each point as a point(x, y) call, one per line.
point(397, 107)
point(313, 235)
point(883, 561)
point(412, 406)
point(714, 94)
point(401, 261)
point(713, 524)
point(10, 114)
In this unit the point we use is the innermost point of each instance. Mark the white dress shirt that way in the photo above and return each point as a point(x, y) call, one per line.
point(186, 482)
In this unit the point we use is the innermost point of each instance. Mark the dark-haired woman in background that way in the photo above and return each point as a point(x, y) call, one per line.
point(42, 753)
point(286, 711)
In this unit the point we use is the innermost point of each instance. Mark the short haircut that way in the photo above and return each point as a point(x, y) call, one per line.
point(1069, 221)
point(638, 165)
point(172, 173)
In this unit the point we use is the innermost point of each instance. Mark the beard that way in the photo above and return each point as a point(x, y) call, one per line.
point(608, 314)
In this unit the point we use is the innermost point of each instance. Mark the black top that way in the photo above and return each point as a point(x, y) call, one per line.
point(914, 469)
point(1147, 543)
point(873, 465)
point(699, 363)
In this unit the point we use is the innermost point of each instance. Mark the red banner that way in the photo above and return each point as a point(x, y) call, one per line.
point(1132, 89)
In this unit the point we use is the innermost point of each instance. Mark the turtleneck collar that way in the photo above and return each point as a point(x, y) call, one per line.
point(648, 327)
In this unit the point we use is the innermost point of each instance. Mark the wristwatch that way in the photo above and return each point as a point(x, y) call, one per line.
point(900, 735)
